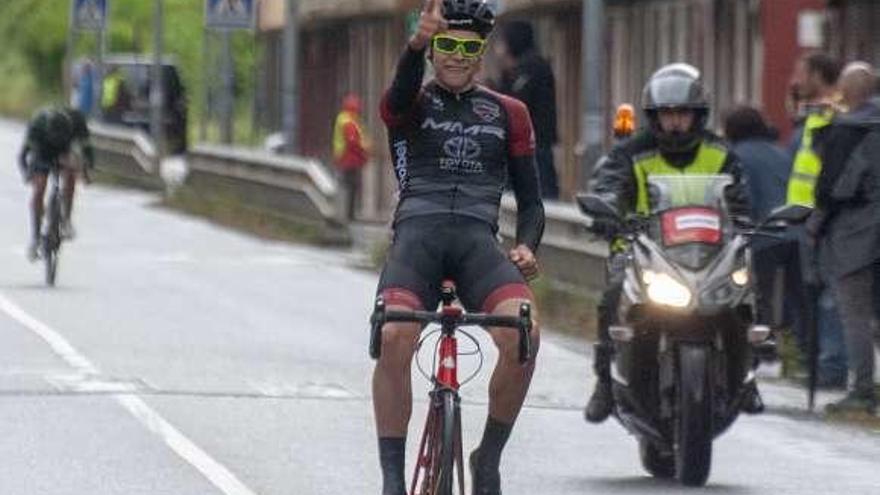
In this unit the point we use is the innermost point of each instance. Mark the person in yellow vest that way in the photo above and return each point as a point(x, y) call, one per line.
point(115, 97)
point(674, 142)
point(815, 83)
point(351, 149)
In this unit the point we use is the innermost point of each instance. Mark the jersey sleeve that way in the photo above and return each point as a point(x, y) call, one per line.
point(523, 172)
point(399, 102)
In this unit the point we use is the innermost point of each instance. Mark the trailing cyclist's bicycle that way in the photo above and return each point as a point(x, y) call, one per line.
point(439, 464)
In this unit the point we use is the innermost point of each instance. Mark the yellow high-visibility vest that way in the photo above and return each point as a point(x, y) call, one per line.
point(339, 145)
point(709, 161)
point(807, 165)
point(110, 91)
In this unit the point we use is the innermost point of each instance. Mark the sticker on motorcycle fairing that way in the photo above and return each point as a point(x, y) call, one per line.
point(688, 225)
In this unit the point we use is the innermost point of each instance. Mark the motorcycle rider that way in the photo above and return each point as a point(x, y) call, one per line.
point(675, 141)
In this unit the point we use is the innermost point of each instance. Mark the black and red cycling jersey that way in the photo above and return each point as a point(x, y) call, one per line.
point(454, 153)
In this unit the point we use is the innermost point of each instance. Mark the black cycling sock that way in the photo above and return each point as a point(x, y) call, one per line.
point(494, 438)
point(35, 228)
point(392, 458)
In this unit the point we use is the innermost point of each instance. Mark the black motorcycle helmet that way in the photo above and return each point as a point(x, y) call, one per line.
point(470, 15)
point(675, 87)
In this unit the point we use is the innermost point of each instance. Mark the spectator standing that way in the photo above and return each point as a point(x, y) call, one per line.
point(848, 225)
point(84, 88)
point(814, 84)
point(115, 97)
point(766, 168)
point(528, 77)
point(350, 149)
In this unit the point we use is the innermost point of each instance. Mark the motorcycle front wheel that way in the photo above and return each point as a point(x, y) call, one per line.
point(693, 432)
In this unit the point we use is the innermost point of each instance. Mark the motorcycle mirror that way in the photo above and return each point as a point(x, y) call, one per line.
point(595, 205)
point(790, 214)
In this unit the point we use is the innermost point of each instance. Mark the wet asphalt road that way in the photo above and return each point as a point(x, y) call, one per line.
point(178, 358)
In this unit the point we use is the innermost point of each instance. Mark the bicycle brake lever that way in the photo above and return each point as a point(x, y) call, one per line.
point(525, 331)
point(377, 321)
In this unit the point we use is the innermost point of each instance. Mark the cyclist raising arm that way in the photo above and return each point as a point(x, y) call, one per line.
point(454, 144)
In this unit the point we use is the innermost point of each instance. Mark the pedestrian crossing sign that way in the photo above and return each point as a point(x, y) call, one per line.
point(230, 14)
point(89, 15)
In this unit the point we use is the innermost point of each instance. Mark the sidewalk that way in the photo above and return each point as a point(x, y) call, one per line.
point(785, 395)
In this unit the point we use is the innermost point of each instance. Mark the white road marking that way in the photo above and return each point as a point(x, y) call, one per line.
point(59, 345)
point(215, 472)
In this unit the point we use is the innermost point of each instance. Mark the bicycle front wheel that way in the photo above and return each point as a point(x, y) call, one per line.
point(52, 240)
point(51, 257)
point(446, 447)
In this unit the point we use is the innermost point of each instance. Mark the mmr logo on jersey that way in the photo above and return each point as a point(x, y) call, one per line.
point(458, 128)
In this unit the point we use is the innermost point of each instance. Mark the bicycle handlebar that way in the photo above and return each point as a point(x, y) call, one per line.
point(522, 323)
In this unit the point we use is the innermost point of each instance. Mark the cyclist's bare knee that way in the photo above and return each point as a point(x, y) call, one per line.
point(398, 341)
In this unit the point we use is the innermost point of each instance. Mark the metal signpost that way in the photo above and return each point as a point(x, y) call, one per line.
point(89, 15)
point(230, 14)
point(224, 16)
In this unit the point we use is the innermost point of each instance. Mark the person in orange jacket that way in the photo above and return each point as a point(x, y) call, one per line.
point(351, 149)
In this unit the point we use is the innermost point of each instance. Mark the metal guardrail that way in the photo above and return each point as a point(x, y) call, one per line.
point(307, 176)
point(564, 227)
point(297, 188)
point(303, 190)
point(568, 253)
point(126, 156)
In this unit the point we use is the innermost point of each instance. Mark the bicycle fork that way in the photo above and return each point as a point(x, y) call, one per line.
point(428, 462)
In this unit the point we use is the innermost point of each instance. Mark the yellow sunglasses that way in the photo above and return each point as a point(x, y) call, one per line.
point(467, 47)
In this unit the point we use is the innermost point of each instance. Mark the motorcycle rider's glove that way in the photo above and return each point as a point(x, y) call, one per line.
point(742, 222)
point(605, 228)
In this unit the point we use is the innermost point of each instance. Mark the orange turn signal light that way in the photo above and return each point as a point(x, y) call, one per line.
point(625, 120)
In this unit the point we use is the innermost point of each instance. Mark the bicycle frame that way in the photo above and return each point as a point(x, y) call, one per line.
point(444, 398)
point(444, 377)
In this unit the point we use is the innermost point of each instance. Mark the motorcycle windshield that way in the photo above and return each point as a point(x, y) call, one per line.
point(690, 214)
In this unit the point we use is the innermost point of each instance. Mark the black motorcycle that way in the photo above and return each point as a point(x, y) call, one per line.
point(683, 360)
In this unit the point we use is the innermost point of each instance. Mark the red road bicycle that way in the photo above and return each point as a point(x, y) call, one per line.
point(439, 463)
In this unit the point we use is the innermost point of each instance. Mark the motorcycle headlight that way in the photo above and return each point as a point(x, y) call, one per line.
point(663, 289)
point(740, 277)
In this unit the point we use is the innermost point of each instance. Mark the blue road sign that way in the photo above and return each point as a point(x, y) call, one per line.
point(230, 14)
point(89, 15)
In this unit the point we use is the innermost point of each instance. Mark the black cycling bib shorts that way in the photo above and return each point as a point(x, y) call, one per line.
point(453, 155)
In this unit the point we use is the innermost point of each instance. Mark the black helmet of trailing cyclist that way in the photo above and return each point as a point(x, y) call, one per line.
point(676, 87)
point(59, 128)
point(470, 15)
